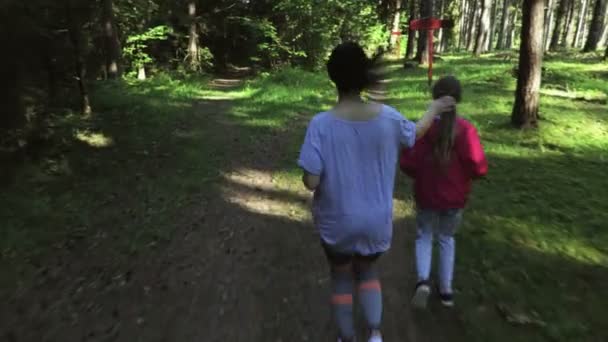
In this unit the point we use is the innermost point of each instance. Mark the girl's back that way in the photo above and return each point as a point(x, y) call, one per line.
point(446, 186)
point(353, 205)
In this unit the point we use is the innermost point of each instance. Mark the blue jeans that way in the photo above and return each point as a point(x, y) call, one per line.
point(443, 223)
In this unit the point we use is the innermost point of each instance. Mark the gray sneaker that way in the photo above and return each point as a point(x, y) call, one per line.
point(421, 295)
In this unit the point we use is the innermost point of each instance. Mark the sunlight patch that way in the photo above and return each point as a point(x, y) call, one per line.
point(256, 191)
point(93, 139)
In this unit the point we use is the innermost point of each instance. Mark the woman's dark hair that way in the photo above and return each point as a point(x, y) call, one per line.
point(351, 70)
point(443, 145)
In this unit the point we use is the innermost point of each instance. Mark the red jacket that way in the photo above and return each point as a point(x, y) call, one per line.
point(437, 187)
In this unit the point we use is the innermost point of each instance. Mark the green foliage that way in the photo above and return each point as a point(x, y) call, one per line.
point(136, 45)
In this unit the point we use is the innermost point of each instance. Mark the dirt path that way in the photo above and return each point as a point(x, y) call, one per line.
point(245, 266)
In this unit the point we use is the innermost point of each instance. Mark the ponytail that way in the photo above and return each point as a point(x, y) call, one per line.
point(444, 143)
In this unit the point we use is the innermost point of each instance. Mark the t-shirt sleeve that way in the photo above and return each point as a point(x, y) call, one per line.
point(407, 133)
point(310, 154)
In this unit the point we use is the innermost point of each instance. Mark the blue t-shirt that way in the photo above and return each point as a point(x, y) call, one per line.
point(357, 161)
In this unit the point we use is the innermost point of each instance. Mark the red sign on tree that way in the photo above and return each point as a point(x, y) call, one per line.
point(430, 24)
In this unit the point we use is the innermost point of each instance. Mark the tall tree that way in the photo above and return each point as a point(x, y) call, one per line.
point(562, 11)
point(472, 21)
point(582, 16)
point(527, 93)
point(483, 32)
point(606, 53)
point(492, 26)
point(426, 11)
point(464, 7)
point(396, 27)
point(75, 23)
point(597, 23)
point(549, 16)
point(568, 24)
point(193, 48)
point(112, 44)
point(512, 26)
point(504, 25)
point(440, 32)
point(411, 35)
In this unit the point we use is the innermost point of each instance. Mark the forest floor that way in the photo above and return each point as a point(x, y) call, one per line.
point(175, 213)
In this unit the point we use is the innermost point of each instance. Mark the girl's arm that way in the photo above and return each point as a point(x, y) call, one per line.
point(474, 154)
point(310, 159)
point(311, 182)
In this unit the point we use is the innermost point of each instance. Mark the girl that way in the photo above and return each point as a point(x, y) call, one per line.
point(442, 164)
point(348, 157)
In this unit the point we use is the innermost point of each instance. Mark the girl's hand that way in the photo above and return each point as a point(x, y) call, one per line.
point(442, 105)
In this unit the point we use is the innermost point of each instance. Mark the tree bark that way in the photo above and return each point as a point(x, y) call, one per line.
point(562, 11)
point(512, 25)
point(111, 41)
point(75, 34)
point(483, 32)
point(426, 11)
point(606, 54)
point(193, 49)
point(504, 25)
point(396, 27)
point(527, 93)
point(568, 24)
point(597, 23)
point(492, 26)
point(440, 32)
point(411, 35)
point(462, 34)
point(472, 24)
point(604, 35)
point(582, 16)
point(549, 15)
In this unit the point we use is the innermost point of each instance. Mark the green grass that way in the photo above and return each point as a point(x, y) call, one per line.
point(533, 246)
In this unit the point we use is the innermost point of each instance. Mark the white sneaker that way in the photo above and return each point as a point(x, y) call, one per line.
point(376, 337)
point(421, 296)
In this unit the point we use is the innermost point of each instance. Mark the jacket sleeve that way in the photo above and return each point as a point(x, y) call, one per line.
point(473, 154)
point(408, 160)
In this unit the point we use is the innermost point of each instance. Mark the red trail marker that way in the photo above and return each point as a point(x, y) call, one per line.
point(430, 24)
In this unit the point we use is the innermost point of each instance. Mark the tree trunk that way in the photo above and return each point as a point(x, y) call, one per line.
point(549, 15)
point(568, 24)
point(562, 10)
point(411, 35)
point(440, 32)
point(492, 26)
point(472, 24)
point(111, 42)
point(462, 34)
point(527, 93)
point(606, 54)
point(582, 16)
point(75, 34)
point(597, 23)
point(193, 50)
point(512, 26)
point(483, 32)
point(604, 35)
point(504, 25)
point(396, 27)
point(426, 11)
